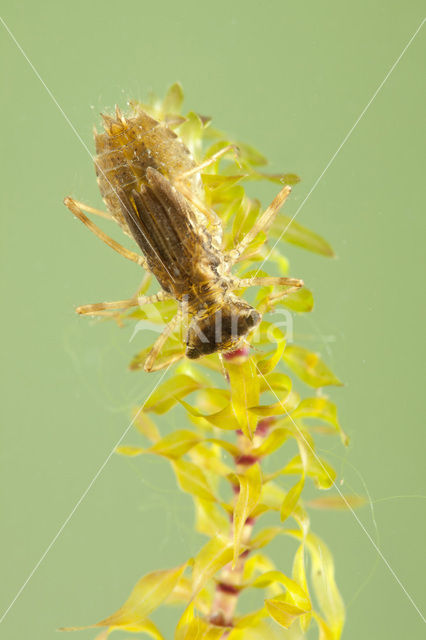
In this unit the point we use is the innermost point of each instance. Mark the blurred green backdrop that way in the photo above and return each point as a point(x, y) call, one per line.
point(291, 78)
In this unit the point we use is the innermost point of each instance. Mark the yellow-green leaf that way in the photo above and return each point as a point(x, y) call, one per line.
point(273, 441)
point(244, 393)
point(191, 132)
point(277, 382)
point(210, 460)
point(192, 479)
point(279, 178)
point(299, 576)
point(317, 468)
point(190, 626)
point(268, 364)
point(209, 560)
point(252, 156)
point(264, 537)
point(146, 626)
point(147, 595)
point(226, 446)
point(223, 419)
point(257, 563)
point(172, 103)
point(300, 236)
point(276, 409)
point(209, 519)
point(291, 499)
point(250, 620)
point(172, 351)
point(298, 595)
point(322, 409)
point(168, 393)
point(283, 612)
point(309, 367)
point(128, 450)
point(300, 301)
point(325, 632)
point(248, 497)
point(337, 503)
point(323, 580)
point(176, 444)
point(259, 630)
point(146, 426)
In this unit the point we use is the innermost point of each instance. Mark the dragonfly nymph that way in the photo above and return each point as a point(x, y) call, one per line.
point(152, 188)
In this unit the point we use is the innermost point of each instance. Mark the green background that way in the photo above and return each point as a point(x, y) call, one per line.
point(292, 79)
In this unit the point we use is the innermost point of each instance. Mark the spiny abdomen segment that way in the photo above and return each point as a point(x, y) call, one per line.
point(127, 148)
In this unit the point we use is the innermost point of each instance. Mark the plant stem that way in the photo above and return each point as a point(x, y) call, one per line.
point(231, 579)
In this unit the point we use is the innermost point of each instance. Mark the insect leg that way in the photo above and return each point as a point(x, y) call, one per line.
point(159, 343)
point(261, 225)
point(209, 161)
point(98, 307)
point(88, 209)
point(126, 253)
point(293, 284)
point(179, 181)
point(136, 301)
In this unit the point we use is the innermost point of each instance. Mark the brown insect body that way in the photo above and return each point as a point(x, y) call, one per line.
point(139, 166)
point(128, 147)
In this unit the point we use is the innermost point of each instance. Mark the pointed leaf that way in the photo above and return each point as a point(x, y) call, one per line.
point(299, 576)
point(167, 394)
point(326, 591)
point(176, 444)
point(209, 519)
point(300, 301)
point(338, 503)
point(172, 351)
point(296, 234)
point(146, 426)
point(210, 460)
point(190, 627)
point(298, 595)
point(244, 393)
point(146, 626)
point(282, 612)
point(128, 450)
point(291, 499)
point(147, 595)
point(223, 419)
point(273, 441)
point(264, 537)
point(250, 155)
point(309, 367)
point(212, 557)
point(192, 479)
point(268, 365)
point(322, 409)
point(248, 497)
point(317, 468)
point(172, 103)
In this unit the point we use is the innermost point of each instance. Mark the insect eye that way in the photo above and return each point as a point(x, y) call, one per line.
point(253, 318)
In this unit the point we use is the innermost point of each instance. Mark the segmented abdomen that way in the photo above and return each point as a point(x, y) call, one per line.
point(128, 147)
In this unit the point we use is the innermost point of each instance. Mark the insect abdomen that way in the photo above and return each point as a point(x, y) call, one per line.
point(128, 148)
